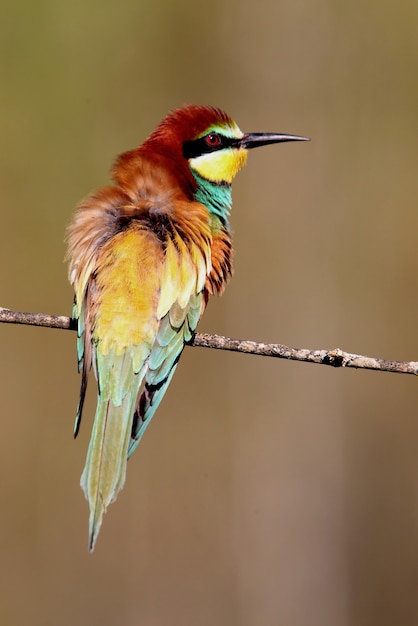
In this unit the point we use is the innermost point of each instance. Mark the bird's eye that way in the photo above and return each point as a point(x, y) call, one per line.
point(213, 140)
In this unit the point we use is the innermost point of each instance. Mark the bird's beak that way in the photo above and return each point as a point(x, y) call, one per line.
point(254, 140)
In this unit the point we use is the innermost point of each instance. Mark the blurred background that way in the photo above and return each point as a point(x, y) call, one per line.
point(265, 492)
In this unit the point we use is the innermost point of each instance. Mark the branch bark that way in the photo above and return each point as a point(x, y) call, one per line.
point(334, 358)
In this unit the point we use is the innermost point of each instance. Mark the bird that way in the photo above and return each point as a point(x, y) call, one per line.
point(145, 254)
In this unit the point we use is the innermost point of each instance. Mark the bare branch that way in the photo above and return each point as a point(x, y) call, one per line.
point(335, 357)
point(37, 319)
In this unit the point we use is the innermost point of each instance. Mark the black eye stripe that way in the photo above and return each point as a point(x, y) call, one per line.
point(197, 147)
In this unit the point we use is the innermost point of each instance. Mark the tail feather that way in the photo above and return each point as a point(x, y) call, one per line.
point(104, 473)
point(83, 390)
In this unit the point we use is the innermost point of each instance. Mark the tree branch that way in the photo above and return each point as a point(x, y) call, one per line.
point(335, 357)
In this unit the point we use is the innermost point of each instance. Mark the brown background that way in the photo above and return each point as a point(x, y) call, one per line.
point(265, 492)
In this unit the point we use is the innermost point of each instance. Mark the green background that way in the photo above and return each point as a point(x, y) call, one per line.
point(265, 492)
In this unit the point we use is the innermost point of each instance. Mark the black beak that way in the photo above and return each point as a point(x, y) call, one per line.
point(254, 140)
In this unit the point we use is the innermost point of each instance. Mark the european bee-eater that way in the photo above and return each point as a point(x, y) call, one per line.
point(144, 256)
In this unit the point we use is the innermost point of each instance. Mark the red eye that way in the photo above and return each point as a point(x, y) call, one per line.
point(213, 140)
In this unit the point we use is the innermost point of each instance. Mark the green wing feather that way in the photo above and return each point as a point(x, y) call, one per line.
point(175, 330)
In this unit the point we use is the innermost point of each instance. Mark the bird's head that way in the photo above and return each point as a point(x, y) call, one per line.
point(210, 141)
